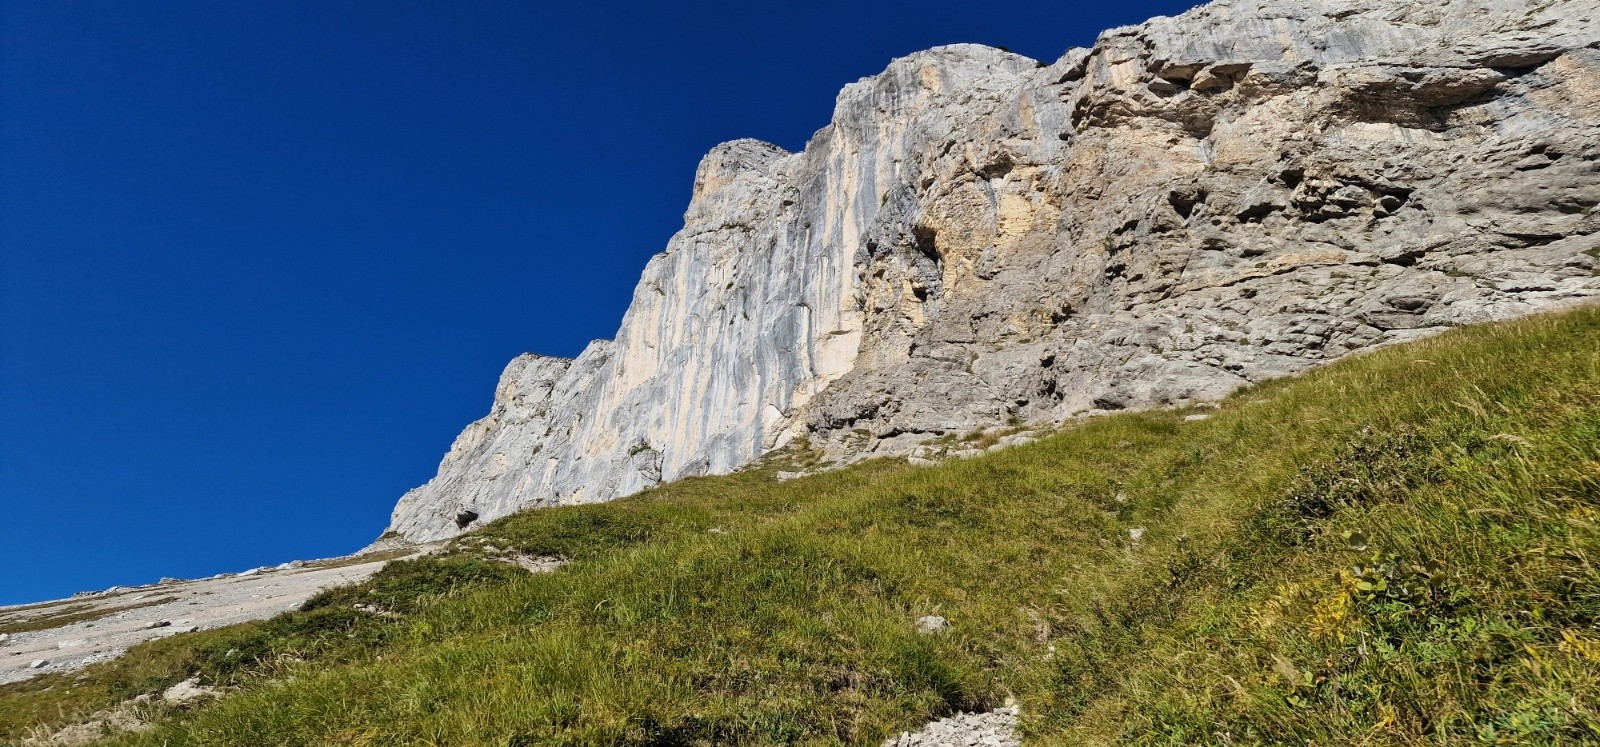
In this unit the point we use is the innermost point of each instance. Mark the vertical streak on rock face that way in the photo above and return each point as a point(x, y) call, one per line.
point(1198, 202)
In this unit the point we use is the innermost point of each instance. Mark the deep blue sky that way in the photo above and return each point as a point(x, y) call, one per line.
point(259, 262)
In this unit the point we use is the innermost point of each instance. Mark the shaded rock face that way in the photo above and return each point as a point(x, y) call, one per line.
point(1196, 203)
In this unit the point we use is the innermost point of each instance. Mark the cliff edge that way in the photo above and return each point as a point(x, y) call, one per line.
point(1196, 203)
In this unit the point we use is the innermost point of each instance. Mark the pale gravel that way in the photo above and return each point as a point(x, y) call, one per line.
point(198, 605)
point(997, 728)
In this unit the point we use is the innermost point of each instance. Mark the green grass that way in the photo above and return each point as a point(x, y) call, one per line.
point(1397, 549)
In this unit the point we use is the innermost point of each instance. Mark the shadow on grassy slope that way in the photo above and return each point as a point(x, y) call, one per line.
point(1396, 549)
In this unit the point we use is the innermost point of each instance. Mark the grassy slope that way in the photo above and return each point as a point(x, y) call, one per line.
point(1396, 549)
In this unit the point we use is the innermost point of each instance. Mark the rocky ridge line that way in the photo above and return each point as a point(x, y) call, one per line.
point(1196, 203)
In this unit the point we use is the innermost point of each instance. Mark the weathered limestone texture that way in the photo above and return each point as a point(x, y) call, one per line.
point(1237, 193)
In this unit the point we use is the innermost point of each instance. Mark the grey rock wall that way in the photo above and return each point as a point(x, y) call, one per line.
point(1237, 193)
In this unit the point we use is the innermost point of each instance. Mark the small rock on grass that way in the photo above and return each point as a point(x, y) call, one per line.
point(997, 728)
point(931, 624)
point(188, 689)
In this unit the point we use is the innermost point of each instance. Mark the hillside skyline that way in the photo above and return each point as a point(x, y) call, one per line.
point(260, 265)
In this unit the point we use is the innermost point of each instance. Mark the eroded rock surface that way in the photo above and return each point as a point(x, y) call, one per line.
point(1199, 202)
point(69, 634)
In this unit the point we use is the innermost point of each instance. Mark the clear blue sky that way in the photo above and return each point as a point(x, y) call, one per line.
point(260, 262)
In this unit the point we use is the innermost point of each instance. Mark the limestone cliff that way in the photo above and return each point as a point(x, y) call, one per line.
point(1199, 202)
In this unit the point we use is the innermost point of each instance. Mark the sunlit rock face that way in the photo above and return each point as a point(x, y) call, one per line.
point(1196, 203)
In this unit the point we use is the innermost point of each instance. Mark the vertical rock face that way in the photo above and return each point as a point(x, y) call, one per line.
point(1196, 203)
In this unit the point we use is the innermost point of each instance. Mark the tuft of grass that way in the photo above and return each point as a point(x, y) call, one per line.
point(371, 557)
point(1396, 549)
point(984, 438)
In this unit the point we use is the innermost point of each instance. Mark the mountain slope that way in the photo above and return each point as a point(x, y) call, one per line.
point(1394, 549)
point(1197, 203)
